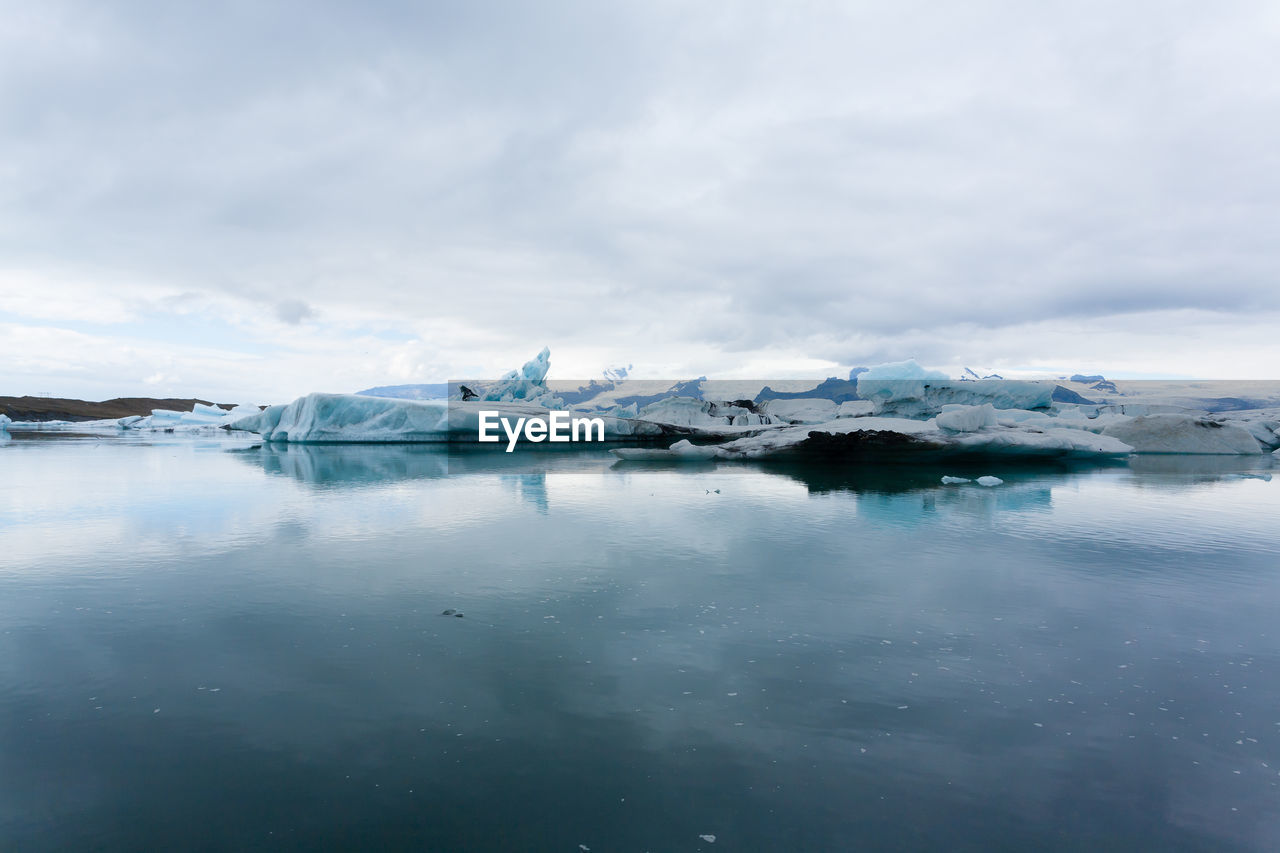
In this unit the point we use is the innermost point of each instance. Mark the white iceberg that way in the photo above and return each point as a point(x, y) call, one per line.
point(803, 410)
point(881, 435)
point(342, 418)
point(528, 384)
point(990, 481)
point(1169, 433)
point(856, 409)
point(967, 418)
point(905, 389)
point(688, 411)
point(201, 418)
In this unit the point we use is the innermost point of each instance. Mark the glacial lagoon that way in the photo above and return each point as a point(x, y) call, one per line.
point(210, 643)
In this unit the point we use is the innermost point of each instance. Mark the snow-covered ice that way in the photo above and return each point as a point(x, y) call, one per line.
point(1169, 433)
point(905, 389)
point(897, 435)
point(967, 418)
point(802, 410)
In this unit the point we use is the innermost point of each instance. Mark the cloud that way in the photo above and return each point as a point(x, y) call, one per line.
point(682, 188)
point(293, 311)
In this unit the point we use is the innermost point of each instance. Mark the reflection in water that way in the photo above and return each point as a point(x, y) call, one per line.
point(530, 487)
point(1200, 468)
point(349, 464)
point(245, 650)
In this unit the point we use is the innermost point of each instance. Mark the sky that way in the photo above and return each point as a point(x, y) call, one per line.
point(249, 201)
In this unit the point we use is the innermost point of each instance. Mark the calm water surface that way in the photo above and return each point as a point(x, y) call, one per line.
point(208, 645)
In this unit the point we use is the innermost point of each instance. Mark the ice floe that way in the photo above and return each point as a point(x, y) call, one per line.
point(1170, 433)
point(894, 436)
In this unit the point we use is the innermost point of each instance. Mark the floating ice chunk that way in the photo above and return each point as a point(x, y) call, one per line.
point(878, 435)
point(856, 409)
point(1262, 430)
point(802, 410)
point(200, 410)
point(242, 411)
point(683, 449)
point(898, 370)
point(682, 411)
point(527, 384)
point(955, 481)
point(907, 390)
point(990, 481)
point(1169, 433)
point(967, 418)
point(262, 422)
point(1010, 417)
point(710, 839)
point(630, 410)
point(690, 411)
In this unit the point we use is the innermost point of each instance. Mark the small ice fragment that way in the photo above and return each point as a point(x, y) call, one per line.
point(954, 481)
point(584, 848)
point(990, 481)
point(156, 711)
point(459, 615)
point(710, 839)
point(1039, 725)
point(903, 707)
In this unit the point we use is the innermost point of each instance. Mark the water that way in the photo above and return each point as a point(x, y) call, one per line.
point(207, 645)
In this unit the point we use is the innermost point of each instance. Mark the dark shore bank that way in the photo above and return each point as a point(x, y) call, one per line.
point(61, 409)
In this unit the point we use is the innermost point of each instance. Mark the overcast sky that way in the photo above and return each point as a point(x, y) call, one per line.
point(253, 200)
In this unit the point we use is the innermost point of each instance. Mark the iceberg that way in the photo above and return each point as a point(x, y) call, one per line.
point(527, 384)
point(803, 410)
point(688, 411)
point(905, 389)
point(351, 418)
point(897, 437)
point(967, 418)
point(200, 418)
point(1168, 433)
point(856, 409)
